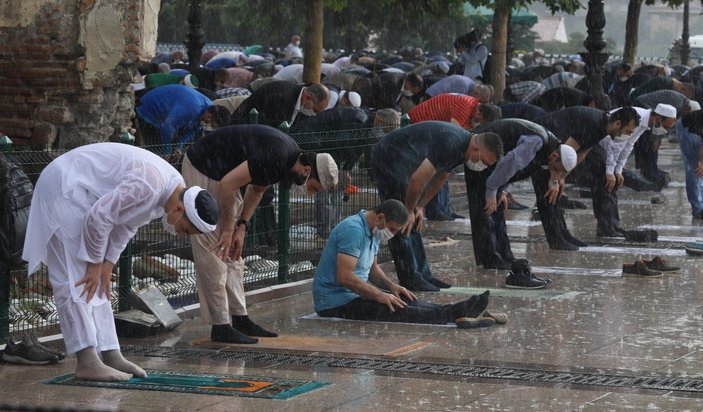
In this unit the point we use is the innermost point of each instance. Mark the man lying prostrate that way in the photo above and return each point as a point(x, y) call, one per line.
point(350, 284)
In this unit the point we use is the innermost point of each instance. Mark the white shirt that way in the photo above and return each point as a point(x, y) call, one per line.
point(292, 51)
point(619, 151)
point(101, 194)
point(292, 73)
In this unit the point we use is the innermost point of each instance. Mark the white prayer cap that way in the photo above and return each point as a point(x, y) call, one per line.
point(568, 157)
point(354, 99)
point(665, 110)
point(693, 106)
point(327, 170)
point(201, 209)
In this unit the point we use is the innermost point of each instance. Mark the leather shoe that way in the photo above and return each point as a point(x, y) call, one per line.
point(419, 285)
point(639, 268)
point(520, 280)
point(438, 282)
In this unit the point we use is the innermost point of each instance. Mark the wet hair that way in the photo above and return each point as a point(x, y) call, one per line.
point(318, 92)
point(491, 142)
point(207, 208)
point(415, 80)
point(490, 112)
point(625, 115)
point(394, 210)
point(310, 159)
point(389, 118)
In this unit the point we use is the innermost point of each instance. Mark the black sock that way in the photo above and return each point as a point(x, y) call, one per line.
point(247, 326)
point(226, 333)
point(472, 307)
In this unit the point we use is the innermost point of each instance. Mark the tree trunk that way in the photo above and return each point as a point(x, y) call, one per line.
point(629, 53)
point(312, 41)
point(502, 12)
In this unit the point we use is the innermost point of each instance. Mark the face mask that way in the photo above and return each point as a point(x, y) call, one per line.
point(383, 235)
point(207, 127)
point(623, 78)
point(659, 130)
point(621, 138)
point(169, 227)
point(307, 112)
point(299, 181)
point(407, 93)
point(476, 166)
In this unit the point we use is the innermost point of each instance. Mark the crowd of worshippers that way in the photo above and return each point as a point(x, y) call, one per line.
point(549, 128)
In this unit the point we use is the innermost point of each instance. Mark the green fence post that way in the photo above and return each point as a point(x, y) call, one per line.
point(4, 302)
point(124, 285)
point(283, 223)
point(250, 239)
point(404, 120)
point(5, 144)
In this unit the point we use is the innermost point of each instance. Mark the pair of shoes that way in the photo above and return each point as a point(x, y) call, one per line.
point(457, 216)
point(523, 281)
point(438, 282)
point(500, 318)
point(472, 323)
point(642, 235)
point(27, 353)
point(32, 339)
point(694, 248)
point(418, 285)
point(660, 264)
point(639, 268)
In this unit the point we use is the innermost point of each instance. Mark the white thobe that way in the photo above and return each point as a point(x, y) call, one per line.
point(87, 204)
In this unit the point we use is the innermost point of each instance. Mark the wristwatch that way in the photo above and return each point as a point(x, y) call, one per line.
point(243, 222)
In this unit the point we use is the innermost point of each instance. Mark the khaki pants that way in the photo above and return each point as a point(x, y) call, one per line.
point(220, 284)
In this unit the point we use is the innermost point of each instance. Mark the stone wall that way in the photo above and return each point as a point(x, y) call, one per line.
point(66, 67)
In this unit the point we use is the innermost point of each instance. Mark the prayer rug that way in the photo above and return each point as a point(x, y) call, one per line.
point(205, 384)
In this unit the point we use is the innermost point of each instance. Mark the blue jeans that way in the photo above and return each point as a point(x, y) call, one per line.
point(690, 144)
point(440, 206)
point(409, 256)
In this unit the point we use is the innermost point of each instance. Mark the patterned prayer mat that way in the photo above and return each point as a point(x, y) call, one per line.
point(206, 384)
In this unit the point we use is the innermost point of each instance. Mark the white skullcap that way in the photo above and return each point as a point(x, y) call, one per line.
point(665, 110)
point(693, 105)
point(327, 170)
point(568, 157)
point(201, 209)
point(190, 81)
point(354, 99)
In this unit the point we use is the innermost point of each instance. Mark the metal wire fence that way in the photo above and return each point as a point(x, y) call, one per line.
point(285, 242)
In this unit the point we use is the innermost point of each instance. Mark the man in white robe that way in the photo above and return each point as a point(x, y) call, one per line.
point(87, 204)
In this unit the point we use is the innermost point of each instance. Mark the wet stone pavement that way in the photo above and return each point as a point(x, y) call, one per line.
point(593, 341)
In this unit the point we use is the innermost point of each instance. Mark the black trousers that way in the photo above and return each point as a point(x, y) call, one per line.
point(488, 232)
point(417, 311)
point(591, 173)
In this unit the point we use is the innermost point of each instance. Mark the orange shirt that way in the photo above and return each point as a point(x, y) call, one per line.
point(446, 107)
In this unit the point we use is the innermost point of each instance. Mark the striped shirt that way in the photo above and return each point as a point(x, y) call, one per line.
point(446, 107)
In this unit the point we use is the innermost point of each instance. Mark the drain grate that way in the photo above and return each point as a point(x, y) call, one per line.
point(574, 378)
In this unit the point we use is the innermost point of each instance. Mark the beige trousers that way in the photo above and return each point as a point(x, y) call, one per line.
point(220, 284)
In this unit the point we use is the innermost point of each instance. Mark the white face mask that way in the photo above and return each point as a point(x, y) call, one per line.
point(168, 227)
point(383, 235)
point(659, 130)
point(623, 78)
point(407, 93)
point(207, 127)
point(307, 111)
point(621, 138)
point(476, 166)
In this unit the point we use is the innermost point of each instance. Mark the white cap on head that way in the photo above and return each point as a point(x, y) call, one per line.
point(693, 106)
point(327, 170)
point(201, 209)
point(354, 99)
point(568, 157)
point(665, 110)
